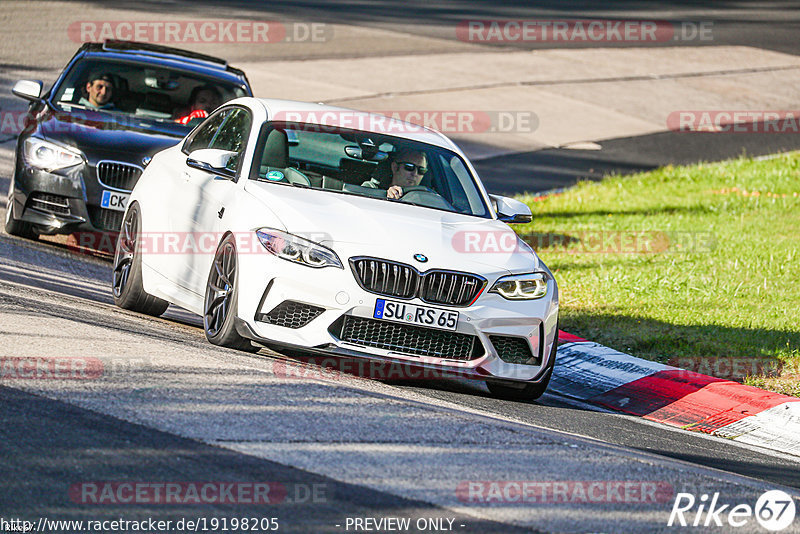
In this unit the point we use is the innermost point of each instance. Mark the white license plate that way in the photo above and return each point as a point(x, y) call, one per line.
point(114, 201)
point(403, 312)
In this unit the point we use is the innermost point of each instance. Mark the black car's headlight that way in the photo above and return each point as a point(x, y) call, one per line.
point(296, 249)
point(49, 156)
point(522, 286)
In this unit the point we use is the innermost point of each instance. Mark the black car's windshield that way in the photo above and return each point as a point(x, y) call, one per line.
point(142, 91)
point(368, 165)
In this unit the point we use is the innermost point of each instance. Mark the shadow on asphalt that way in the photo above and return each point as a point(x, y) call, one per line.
point(57, 455)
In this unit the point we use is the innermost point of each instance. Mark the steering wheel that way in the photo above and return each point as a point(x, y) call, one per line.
point(417, 189)
point(424, 196)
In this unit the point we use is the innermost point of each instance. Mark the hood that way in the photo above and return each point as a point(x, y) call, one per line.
point(397, 231)
point(101, 135)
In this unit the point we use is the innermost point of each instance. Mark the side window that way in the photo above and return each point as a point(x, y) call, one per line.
point(458, 187)
point(204, 136)
point(232, 135)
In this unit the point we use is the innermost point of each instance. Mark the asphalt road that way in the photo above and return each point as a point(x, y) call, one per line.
point(171, 407)
point(772, 25)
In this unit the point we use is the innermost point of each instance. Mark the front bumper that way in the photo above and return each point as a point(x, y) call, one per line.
point(61, 202)
point(267, 282)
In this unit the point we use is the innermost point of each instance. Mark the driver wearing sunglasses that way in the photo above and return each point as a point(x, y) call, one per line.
point(408, 168)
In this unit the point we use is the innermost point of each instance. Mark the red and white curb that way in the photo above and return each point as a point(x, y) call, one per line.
point(602, 376)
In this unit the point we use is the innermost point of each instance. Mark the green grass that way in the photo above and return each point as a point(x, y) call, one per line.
point(714, 273)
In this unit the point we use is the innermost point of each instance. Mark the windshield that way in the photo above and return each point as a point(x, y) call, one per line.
point(370, 165)
point(142, 91)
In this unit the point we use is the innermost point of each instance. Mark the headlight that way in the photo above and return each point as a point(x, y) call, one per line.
point(293, 248)
point(50, 157)
point(521, 286)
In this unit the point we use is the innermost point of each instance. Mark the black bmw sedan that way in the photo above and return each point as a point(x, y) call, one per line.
point(86, 140)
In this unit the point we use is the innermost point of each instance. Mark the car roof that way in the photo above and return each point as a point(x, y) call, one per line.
point(165, 56)
point(334, 116)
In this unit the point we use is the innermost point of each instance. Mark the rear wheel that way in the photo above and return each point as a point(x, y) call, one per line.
point(127, 278)
point(221, 300)
point(12, 225)
point(522, 391)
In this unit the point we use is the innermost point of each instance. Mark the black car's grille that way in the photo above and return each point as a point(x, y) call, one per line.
point(105, 219)
point(408, 339)
point(291, 314)
point(118, 175)
point(403, 281)
point(51, 203)
point(514, 349)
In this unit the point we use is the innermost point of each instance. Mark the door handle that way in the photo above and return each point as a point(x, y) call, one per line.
point(221, 212)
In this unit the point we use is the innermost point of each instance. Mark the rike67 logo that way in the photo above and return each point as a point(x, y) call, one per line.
point(774, 510)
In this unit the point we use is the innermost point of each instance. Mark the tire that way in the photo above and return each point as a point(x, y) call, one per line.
point(221, 300)
point(14, 226)
point(127, 277)
point(521, 391)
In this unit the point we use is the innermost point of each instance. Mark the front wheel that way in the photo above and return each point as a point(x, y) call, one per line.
point(127, 285)
point(221, 301)
point(522, 391)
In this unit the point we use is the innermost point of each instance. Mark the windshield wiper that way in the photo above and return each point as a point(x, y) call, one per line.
point(62, 105)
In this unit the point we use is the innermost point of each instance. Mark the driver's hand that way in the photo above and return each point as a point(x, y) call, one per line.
point(394, 192)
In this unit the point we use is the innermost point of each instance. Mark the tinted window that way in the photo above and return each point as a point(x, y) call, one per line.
point(204, 136)
point(145, 91)
point(368, 164)
point(232, 135)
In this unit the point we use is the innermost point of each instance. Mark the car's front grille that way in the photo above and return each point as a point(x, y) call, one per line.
point(514, 350)
point(454, 289)
point(387, 278)
point(291, 314)
point(118, 175)
point(105, 219)
point(409, 339)
point(399, 280)
point(51, 203)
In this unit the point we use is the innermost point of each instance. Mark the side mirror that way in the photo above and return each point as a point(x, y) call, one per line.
point(212, 160)
point(511, 211)
point(28, 89)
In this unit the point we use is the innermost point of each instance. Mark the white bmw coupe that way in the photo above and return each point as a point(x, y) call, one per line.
point(337, 232)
